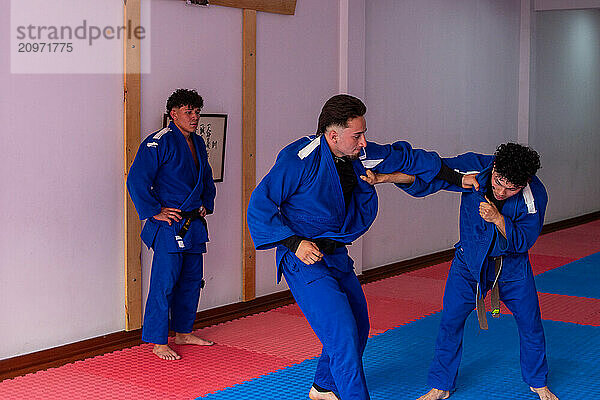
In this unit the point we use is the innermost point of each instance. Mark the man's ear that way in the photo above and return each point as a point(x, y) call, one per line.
point(172, 113)
point(333, 135)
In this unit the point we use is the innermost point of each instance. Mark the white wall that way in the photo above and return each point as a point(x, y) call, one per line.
point(565, 127)
point(442, 75)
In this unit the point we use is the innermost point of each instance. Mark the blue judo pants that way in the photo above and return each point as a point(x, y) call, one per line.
point(175, 283)
point(459, 301)
point(336, 309)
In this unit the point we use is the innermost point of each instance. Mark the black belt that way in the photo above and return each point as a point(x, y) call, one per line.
point(190, 216)
point(327, 246)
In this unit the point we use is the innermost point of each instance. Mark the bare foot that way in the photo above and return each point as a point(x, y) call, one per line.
point(188, 338)
point(435, 394)
point(544, 393)
point(165, 352)
point(314, 394)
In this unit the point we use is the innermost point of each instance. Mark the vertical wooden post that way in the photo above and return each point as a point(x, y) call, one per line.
point(132, 127)
point(248, 148)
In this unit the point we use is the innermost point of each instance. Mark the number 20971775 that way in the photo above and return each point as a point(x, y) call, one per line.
point(43, 47)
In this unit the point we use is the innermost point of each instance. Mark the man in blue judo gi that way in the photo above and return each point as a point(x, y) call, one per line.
point(311, 205)
point(500, 219)
point(170, 183)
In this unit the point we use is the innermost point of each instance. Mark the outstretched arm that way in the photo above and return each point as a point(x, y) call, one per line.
point(373, 178)
point(468, 181)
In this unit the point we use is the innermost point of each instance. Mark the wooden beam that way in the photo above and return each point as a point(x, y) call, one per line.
point(551, 5)
point(132, 128)
point(287, 7)
point(248, 149)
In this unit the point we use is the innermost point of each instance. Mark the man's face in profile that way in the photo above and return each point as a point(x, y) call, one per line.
point(351, 140)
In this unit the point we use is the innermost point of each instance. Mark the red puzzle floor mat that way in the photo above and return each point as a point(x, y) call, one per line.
point(277, 334)
point(578, 310)
point(438, 271)
point(136, 373)
point(66, 384)
point(291, 309)
point(202, 369)
point(577, 242)
point(412, 288)
point(589, 230)
point(541, 263)
point(386, 313)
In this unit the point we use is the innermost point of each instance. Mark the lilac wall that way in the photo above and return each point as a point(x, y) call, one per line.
point(61, 245)
point(565, 127)
point(442, 75)
point(200, 48)
point(62, 258)
point(297, 70)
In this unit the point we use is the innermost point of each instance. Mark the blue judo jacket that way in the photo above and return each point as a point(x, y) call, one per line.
point(479, 240)
point(302, 195)
point(164, 174)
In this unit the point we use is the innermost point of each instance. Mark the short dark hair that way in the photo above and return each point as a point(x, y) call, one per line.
point(184, 97)
point(338, 110)
point(516, 163)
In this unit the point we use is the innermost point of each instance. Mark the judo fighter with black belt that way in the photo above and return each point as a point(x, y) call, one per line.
point(311, 205)
point(501, 217)
point(170, 183)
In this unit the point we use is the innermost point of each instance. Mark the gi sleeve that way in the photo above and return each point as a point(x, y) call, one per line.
point(450, 175)
point(208, 191)
point(141, 178)
point(420, 188)
point(265, 221)
point(463, 164)
point(292, 243)
point(400, 156)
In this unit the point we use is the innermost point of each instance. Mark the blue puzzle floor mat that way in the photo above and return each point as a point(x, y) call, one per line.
point(397, 362)
point(578, 278)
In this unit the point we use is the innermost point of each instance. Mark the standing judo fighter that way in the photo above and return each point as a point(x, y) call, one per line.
point(171, 185)
point(309, 206)
point(498, 225)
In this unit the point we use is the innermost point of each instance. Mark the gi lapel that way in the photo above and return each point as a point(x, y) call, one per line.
point(334, 178)
point(476, 235)
point(190, 159)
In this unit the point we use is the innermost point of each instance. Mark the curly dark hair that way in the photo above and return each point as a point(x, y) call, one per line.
point(516, 163)
point(338, 110)
point(184, 97)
